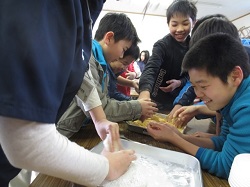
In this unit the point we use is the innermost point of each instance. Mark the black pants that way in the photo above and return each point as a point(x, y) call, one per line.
point(7, 171)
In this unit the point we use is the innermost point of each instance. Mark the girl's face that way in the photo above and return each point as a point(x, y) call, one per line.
point(142, 56)
point(121, 65)
point(180, 26)
point(215, 93)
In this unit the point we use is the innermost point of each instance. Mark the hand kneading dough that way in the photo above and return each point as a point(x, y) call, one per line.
point(107, 146)
point(157, 118)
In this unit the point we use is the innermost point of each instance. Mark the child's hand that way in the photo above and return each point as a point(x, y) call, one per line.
point(185, 114)
point(148, 107)
point(173, 116)
point(112, 145)
point(118, 162)
point(162, 131)
point(110, 131)
point(172, 112)
point(202, 134)
point(136, 86)
point(130, 75)
point(172, 85)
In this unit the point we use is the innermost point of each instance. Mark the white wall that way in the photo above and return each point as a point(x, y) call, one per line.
point(149, 29)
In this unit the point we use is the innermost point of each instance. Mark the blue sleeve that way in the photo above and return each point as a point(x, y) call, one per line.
point(233, 140)
point(114, 93)
point(121, 97)
point(213, 160)
point(112, 87)
point(199, 153)
point(95, 7)
point(186, 95)
point(220, 140)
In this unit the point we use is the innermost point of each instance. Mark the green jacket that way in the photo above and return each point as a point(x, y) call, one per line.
point(116, 111)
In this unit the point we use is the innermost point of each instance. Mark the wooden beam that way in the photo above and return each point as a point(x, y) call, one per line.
point(241, 17)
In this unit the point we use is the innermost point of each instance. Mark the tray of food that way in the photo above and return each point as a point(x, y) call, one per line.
point(141, 127)
point(157, 167)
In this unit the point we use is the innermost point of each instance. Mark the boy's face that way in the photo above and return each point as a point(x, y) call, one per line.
point(180, 26)
point(114, 50)
point(215, 93)
point(121, 65)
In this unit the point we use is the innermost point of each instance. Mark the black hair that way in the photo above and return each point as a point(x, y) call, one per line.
point(184, 7)
point(133, 51)
point(120, 24)
point(214, 25)
point(204, 18)
point(218, 54)
point(146, 56)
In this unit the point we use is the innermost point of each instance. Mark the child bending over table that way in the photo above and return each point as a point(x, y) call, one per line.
point(219, 72)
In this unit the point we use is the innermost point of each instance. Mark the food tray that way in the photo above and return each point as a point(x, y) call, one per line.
point(136, 128)
point(142, 130)
point(182, 159)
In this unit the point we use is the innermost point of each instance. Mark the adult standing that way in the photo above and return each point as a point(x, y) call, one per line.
point(44, 51)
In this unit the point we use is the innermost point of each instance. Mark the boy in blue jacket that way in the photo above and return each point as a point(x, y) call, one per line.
point(219, 72)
